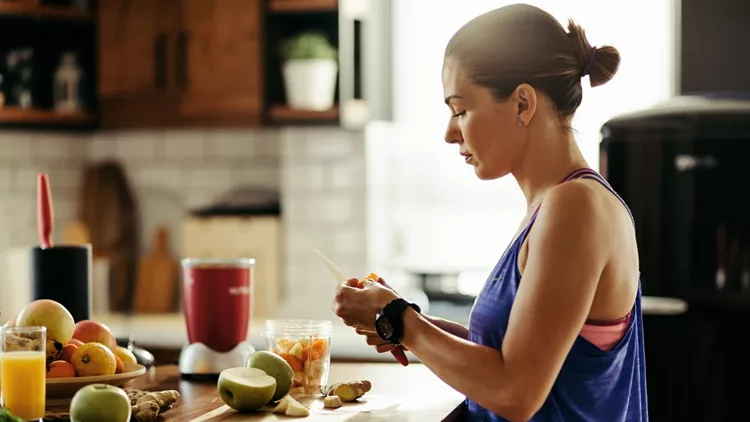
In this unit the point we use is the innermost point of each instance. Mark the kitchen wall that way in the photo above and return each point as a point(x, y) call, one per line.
point(22, 156)
point(320, 172)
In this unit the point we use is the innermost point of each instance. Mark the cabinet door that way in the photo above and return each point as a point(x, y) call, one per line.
point(136, 60)
point(221, 83)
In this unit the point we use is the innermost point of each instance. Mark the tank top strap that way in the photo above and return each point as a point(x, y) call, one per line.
point(587, 173)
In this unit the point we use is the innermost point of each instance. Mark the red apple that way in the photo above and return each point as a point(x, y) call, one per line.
point(89, 331)
point(76, 342)
point(50, 314)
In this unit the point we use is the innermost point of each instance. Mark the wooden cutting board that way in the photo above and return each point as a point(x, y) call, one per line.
point(156, 285)
point(382, 406)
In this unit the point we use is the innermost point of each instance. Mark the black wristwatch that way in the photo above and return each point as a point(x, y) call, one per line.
point(389, 322)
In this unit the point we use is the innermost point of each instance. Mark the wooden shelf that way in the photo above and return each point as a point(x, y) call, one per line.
point(24, 116)
point(284, 114)
point(22, 8)
point(303, 5)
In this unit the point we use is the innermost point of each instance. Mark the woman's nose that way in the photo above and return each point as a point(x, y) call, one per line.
point(452, 134)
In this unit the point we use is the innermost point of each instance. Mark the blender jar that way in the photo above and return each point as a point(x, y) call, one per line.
point(306, 346)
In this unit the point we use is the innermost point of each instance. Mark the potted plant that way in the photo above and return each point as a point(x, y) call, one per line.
point(310, 70)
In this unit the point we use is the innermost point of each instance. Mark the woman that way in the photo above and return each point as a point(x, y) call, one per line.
point(556, 332)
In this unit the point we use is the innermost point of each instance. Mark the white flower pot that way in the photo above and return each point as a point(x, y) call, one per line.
point(310, 84)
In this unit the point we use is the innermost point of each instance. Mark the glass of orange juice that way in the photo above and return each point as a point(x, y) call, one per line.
point(23, 371)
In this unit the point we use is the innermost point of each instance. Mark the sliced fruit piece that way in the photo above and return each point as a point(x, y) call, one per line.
point(296, 351)
point(319, 348)
point(295, 363)
point(283, 404)
point(245, 389)
point(276, 367)
point(295, 408)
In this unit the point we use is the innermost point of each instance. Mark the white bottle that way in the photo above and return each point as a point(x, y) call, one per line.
point(67, 84)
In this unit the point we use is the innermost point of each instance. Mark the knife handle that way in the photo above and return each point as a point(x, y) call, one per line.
point(400, 356)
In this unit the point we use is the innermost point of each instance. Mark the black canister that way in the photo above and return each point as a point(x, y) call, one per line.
point(63, 274)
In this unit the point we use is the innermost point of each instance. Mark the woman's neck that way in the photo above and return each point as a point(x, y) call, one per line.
point(550, 154)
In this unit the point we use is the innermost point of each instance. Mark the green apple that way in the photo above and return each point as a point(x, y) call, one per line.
point(100, 403)
point(275, 366)
point(245, 389)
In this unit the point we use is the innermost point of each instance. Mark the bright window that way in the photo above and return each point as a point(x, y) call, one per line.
point(440, 216)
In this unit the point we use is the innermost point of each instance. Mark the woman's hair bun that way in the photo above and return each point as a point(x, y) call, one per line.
point(605, 61)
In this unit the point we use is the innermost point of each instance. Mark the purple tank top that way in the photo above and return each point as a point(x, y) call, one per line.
point(593, 385)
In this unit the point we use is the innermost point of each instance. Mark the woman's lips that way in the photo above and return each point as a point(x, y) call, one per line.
point(468, 158)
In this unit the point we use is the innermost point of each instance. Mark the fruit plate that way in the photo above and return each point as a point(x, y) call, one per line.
point(67, 387)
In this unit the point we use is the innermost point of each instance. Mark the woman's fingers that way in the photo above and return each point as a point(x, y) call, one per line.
point(365, 332)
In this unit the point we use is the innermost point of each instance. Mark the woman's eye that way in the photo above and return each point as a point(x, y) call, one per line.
point(459, 114)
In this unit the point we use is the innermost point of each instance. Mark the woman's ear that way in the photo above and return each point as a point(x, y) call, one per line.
point(525, 96)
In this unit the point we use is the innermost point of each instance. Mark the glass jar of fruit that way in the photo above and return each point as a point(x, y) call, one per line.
point(306, 346)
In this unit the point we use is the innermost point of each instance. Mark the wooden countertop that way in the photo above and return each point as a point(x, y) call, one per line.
point(411, 393)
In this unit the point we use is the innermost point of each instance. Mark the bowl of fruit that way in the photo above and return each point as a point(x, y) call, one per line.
point(78, 354)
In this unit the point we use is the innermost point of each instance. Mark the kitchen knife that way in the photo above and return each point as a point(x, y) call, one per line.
point(337, 274)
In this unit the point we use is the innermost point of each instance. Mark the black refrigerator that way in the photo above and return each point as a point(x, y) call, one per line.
point(683, 168)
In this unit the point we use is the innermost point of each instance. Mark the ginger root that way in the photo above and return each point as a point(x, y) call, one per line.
point(147, 405)
point(146, 411)
point(347, 391)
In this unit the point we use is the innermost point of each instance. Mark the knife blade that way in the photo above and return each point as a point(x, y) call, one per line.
point(332, 269)
point(337, 274)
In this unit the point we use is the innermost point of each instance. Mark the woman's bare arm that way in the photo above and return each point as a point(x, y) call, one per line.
point(567, 254)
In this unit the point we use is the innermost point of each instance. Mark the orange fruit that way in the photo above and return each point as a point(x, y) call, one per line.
point(119, 366)
point(371, 276)
point(94, 359)
point(67, 352)
point(60, 369)
point(125, 354)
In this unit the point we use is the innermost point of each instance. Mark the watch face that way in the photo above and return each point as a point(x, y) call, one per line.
point(385, 328)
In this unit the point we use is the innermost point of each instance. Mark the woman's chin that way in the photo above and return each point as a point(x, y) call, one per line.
point(483, 174)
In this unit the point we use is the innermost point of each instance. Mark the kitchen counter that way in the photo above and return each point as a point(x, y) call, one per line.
point(168, 331)
point(410, 393)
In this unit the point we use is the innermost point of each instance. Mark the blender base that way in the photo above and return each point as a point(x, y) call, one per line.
point(199, 362)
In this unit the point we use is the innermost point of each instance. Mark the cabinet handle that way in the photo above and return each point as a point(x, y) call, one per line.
point(160, 65)
point(181, 58)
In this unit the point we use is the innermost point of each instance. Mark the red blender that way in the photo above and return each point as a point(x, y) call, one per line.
point(217, 302)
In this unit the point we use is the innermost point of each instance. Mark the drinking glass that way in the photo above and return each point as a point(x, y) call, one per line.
point(22, 371)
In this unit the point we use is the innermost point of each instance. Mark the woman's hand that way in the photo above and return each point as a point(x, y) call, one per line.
point(358, 307)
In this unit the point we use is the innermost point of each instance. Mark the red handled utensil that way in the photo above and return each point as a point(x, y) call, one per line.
point(44, 211)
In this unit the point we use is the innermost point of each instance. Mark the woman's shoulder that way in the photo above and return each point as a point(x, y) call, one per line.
point(582, 213)
point(577, 200)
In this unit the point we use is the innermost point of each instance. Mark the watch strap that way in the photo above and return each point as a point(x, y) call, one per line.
point(394, 311)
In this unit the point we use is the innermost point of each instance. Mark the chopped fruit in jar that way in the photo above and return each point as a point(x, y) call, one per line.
point(283, 345)
point(308, 358)
point(295, 363)
point(319, 348)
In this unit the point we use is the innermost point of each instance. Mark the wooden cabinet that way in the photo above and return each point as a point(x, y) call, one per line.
point(221, 47)
point(166, 63)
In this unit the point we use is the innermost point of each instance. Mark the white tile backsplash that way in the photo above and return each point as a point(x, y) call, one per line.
point(319, 172)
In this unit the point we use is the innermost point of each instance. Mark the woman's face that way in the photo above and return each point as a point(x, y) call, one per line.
point(487, 131)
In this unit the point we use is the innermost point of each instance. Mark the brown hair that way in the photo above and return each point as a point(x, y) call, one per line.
point(519, 43)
